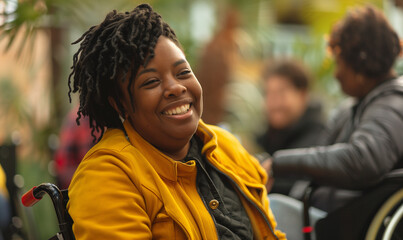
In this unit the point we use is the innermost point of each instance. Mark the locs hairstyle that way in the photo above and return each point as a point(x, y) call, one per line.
point(108, 53)
point(366, 42)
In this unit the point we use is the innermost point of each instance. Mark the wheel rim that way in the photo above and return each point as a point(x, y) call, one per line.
point(377, 222)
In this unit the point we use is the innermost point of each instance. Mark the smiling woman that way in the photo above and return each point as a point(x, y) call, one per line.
point(158, 171)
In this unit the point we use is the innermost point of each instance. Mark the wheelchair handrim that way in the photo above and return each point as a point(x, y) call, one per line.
point(381, 214)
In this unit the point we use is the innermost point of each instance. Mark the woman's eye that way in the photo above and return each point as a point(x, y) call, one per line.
point(184, 73)
point(150, 83)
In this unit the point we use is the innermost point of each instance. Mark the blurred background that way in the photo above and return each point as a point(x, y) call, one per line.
point(227, 42)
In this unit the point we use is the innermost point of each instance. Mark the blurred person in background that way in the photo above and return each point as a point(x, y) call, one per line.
point(76, 138)
point(227, 72)
point(293, 119)
point(214, 68)
point(5, 212)
point(366, 143)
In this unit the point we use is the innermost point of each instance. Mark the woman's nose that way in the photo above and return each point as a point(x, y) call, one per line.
point(174, 88)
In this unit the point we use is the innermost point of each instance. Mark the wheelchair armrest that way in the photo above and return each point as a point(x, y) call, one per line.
point(396, 173)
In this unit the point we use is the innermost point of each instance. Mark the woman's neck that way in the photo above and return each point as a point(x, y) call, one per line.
point(178, 154)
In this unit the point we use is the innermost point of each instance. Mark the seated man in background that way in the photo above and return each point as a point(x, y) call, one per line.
point(4, 204)
point(293, 120)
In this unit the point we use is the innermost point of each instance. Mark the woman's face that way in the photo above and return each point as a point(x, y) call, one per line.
point(167, 100)
point(349, 80)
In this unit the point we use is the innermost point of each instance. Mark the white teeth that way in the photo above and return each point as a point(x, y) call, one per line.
point(178, 110)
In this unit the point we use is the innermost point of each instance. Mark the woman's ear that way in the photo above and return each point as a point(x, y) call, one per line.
point(360, 78)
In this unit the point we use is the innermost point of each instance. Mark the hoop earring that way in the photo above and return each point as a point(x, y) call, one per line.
point(121, 118)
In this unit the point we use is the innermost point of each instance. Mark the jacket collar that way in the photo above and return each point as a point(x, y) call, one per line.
point(393, 86)
point(163, 164)
point(387, 87)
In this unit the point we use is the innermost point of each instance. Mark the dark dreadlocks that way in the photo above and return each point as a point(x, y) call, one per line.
point(122, 42)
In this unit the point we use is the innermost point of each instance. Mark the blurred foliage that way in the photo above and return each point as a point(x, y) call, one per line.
point(24, 16)
point(78, 15)
point(12, 102)
point(318, 14)
point(323, 14)
point(16, 113)
point(325, 89)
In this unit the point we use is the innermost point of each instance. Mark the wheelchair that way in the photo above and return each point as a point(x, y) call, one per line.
point(379, 218)
point(59, 199)
point(376, 214)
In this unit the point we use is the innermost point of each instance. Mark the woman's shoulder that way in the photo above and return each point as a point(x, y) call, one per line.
point(231, 154)
point(113, 157)
point(224, 141)
point(113, 151)
point(219, 133)
point(112, 140)
point(391, 89)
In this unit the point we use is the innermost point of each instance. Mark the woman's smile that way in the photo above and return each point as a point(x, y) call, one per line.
point(178, 110)
point(178, 107)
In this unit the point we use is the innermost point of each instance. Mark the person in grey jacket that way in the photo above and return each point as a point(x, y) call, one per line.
point(366, 141)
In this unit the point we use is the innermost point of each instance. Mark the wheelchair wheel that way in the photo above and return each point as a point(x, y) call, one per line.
point(388, 221)
point(395, 223)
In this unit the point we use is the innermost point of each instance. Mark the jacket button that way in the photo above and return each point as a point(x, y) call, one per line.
point(214, 204)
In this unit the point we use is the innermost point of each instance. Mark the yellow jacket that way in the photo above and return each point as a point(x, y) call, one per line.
point(3, 189)
point(130, 190)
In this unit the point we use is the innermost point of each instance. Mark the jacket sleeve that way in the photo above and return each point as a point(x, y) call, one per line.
point(105, 203)
point(373, 150)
